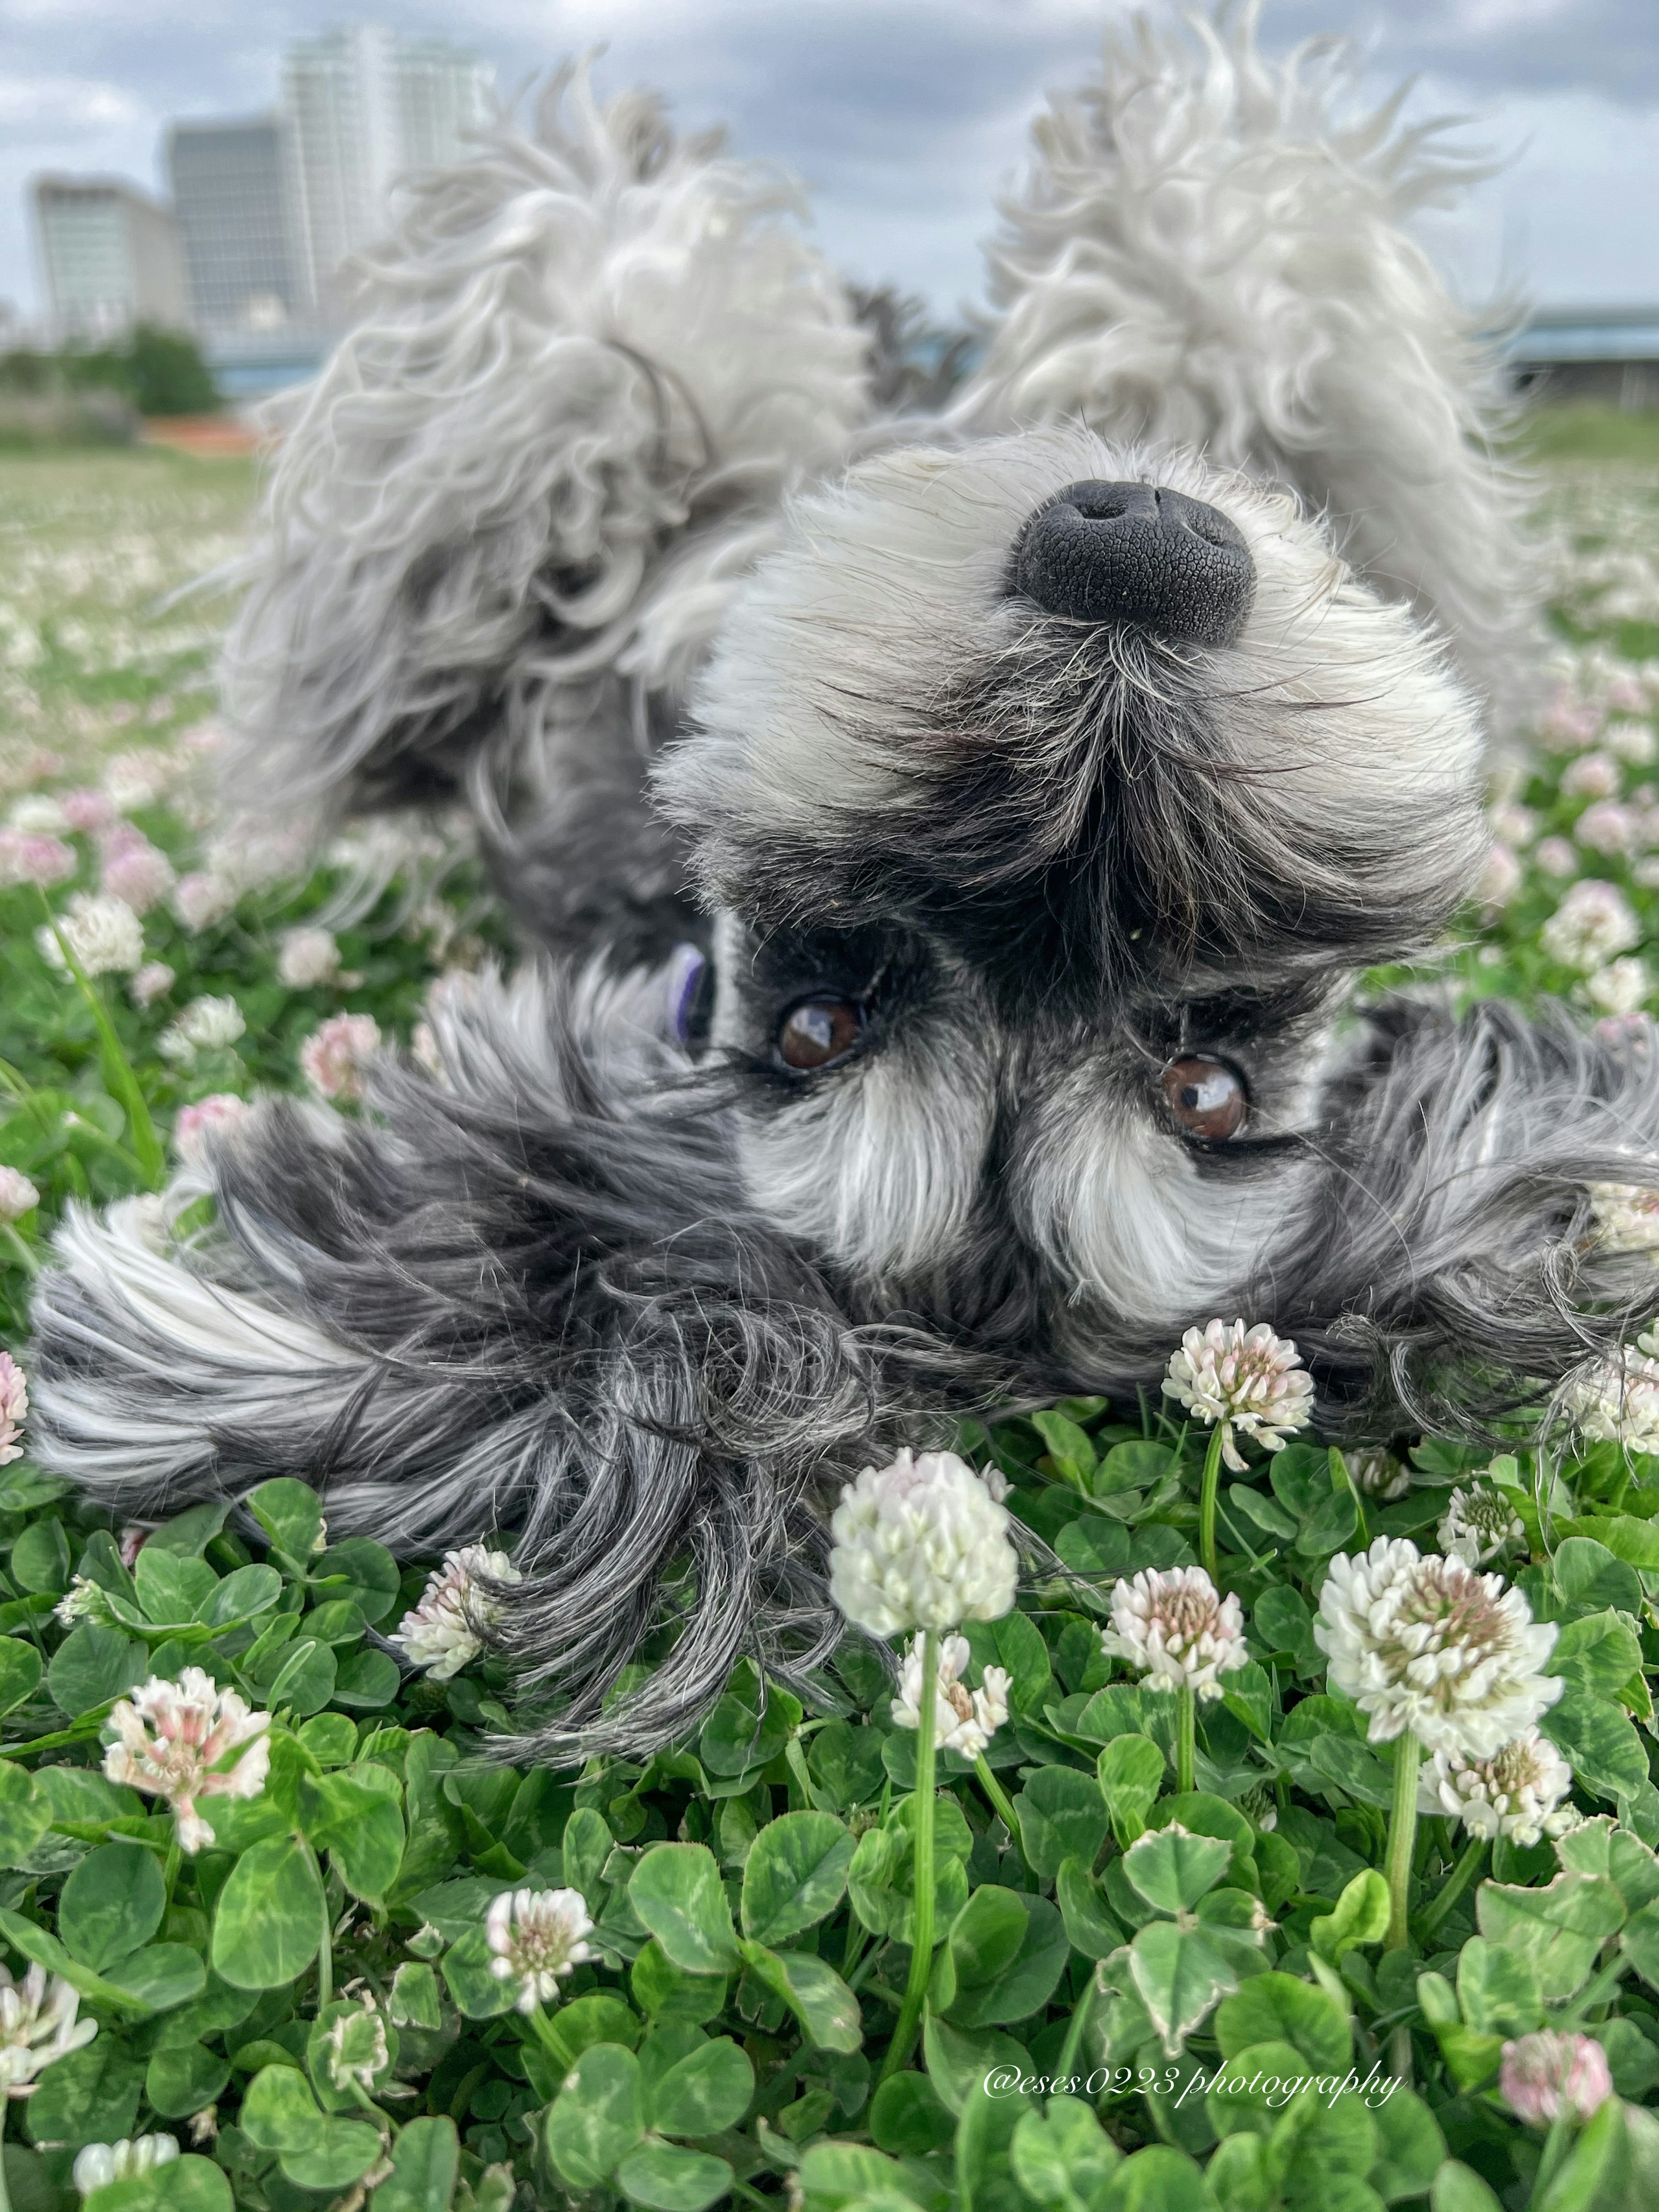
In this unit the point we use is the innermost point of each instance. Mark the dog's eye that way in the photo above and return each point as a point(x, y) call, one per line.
point(1206, 1097)
point(818, 1032)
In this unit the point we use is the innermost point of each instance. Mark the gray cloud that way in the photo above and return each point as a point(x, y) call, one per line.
point(901, 115)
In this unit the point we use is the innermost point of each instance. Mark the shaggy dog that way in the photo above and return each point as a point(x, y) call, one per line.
point(951, 844)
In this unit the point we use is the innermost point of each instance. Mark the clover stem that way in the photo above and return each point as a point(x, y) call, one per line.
point(5, 2193)
point(19, 1250)
point(1207, 1498)
point(170, 1867)
point(1000, 1803)
point(550, 2038)
point(1468, 1866)
point(922, 1859)
point(1186, 1739)
point(325, 1951)
point(118, 1068)
point(1402, 1835)
point(1080, 2021)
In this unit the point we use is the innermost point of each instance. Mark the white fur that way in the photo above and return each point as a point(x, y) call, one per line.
point(1212, 249)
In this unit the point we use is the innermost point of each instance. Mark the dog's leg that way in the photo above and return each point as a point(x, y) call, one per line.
point(1450, 1260)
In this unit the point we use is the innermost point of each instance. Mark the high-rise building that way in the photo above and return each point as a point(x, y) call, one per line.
point(232, 198)
point(364, 105)
point(109, 254)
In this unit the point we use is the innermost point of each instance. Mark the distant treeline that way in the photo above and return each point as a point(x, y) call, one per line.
point(81, 391)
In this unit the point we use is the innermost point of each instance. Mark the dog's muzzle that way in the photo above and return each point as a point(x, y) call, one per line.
point(1138, 554)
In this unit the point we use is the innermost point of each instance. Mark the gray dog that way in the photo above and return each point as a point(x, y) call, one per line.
point(950, 843)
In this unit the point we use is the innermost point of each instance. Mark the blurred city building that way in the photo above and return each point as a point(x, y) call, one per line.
point(109, 255)
point(363, 104)
point(233, 193)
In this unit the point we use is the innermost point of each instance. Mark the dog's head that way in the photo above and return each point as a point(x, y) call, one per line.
point(1046, 794)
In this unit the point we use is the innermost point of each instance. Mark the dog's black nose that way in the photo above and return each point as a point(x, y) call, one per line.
point(1136, 553)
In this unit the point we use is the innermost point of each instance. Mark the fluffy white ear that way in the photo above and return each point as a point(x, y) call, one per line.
point(583, 361)
point(1209, 249)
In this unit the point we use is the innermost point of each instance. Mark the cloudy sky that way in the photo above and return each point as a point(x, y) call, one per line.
point(903, 115)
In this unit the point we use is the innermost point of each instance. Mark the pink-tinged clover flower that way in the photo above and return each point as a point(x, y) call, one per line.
point(134, 869)
point(1428, 1644)
point(1556, 857)
point(1592, 775)
point(308, 959)
point(441, 1633)
point(175, 1741)
point(334, 1058)
point(18, 1195)
point(200, 899)
point(1547, 2076)
point(13, 1408)
point(1173, 1625)
point(964, 1720)
point(1519, 1794)
point(152, 982)
point(194, 1125)
point(37, 859)
point(1250, 1381)
point(37, 2026)
point(537, 1937)
point(921, 1543)
point(87, 809)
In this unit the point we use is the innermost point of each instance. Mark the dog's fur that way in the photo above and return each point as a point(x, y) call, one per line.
point(591, 522)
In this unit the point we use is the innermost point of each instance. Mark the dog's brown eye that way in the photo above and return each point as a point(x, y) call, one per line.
point(1206, 1097)
point(818, 1032)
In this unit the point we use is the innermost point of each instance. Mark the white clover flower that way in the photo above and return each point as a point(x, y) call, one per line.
point(1428, 1644)
point(84, 1600)
point(1617, 1399)
point(309, 957)
point(172, 1742)
point(537, 1935)
point(1517, 825)
point(1500, 878)
point(962, 1721)
point(1260, 1807)
point(37, 814)
point(137, 779)
point(1250, 1381)
point(1593, 922)
point(13, 1408)
point(1546, 2076)
point(1626, 1215)
point(335, 1058)
point(1517, 1793)
point(1479, 1523)
point(204, 1025)
point(1620, 987)
point(441, 1633)
point(199, 900)
point(37, 2026)
point(1592, 775)
point(152, 982)
point(104, 934)
point(1556, 857)
point(1378, 1473)
point(99, 2164)
point(921, 1543)
point(193, 1125)
point(1173, 1625)
point(18, 1195)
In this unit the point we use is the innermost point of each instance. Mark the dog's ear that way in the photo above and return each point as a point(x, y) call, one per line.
point(529, 1295)
point(575, 354)
point(1451, 1266)
point(1209, 250)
